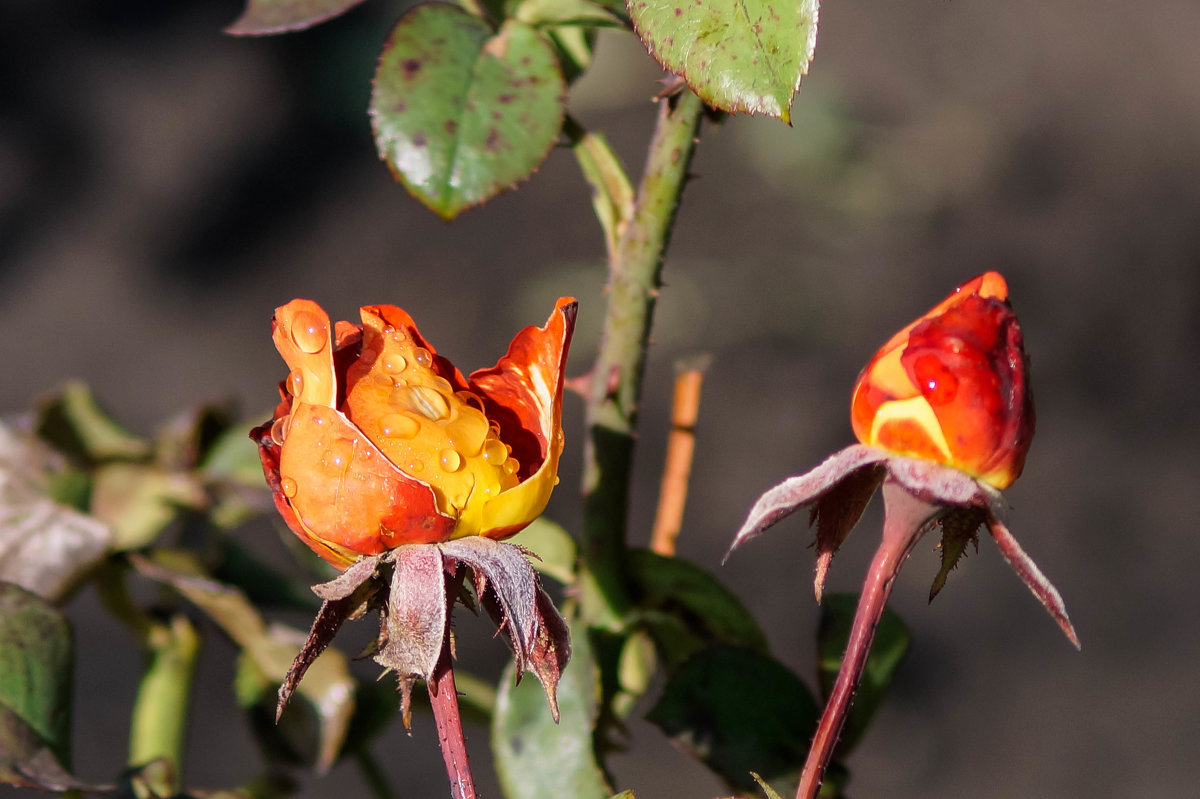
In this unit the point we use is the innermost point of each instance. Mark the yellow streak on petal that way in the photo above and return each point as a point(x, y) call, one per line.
point(915, 410)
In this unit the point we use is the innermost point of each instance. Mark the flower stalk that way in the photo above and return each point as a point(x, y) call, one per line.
point(905, 520)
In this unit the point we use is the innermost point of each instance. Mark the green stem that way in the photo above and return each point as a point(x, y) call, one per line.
point(159, 721)
point(616, 383)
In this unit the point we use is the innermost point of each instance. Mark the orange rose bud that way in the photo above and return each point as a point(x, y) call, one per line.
point(379, 441)
point(953, 387)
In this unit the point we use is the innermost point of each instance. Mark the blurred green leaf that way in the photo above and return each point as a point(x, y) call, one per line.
point(461, 112)
point(281, 16)
point(767, 789)
point(554, 547)
point(233, 457)
point(889, 648)
point(738, 711)
point(612, 195)
point(36, 657)
point(73, 423)
point(327, 685)
point(536, 758)
point(579, 12)
point(138, 500)
point(685, 609)
point(44, 546)
point(741, 56)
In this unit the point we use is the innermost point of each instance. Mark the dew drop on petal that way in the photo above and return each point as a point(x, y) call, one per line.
point(422, 356)
point(467, 431)
point(295, 382)
point(395, 363)
point(450, 460)
point(424, 400)
point(338, 454)
point(494, 451)
point(399, 425)
point(470, 398)
point(935, 379)
point(309, 332)
point(383, 381)
point(556, 480)
point(511, 466)
point(288, 486)
point(415, 467)
point(280, 428)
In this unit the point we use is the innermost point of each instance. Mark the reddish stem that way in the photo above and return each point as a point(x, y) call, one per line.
point(905, 519)
point(443, 695)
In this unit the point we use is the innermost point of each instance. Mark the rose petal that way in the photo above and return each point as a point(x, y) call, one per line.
point(347, 495)
point(523, 392)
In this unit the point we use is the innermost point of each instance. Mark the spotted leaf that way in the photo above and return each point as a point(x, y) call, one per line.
point(741, 56)
point(461, 111)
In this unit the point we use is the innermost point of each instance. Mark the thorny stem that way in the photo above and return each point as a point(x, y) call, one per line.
point(616, 381)
point(443, 695)
point(905, 519)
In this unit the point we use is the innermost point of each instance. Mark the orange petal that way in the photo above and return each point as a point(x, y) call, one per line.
point(301, 331)
point(523, 393)
point(348, 497)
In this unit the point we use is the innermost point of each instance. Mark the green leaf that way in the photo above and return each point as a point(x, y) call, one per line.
point(738, 712)
point(579, 12)
point(767, 789)
point(138, 500)
point(327, 685)
point(36, 655)
point(44, 546)
point(612, 196)
point(461, 112)
point(554, 547)
point(536, 758)
point(741, 56)
point(686, 609)
point(280, 16)
point(891, 643)
point(73, 423)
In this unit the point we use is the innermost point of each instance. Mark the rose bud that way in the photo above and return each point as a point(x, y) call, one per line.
point(379, 441)
point(945, 417)
point(952, 387)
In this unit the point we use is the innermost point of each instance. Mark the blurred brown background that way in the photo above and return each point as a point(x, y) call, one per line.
point(163, 187)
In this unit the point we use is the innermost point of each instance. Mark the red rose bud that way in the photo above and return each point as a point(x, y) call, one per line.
point(953, 387)
point(379, 441)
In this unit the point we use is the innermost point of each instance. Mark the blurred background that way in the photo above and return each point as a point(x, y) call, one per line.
point(164, 187)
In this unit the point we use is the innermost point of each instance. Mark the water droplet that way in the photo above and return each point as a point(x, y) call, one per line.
point(399, 425)
point(383, 381)
point(338, 455)
point(467, 431)
point(935, 379)
point(494, 451)
point(450, 460)
point(309, 332)
point(470, 398)
point(280, 428)
point(288, 486)
point(415, 467)
point(511, 466)
point(394, 363)
point(421, 399)
point(295, 382)
point(422, 356)
point(556, 480)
